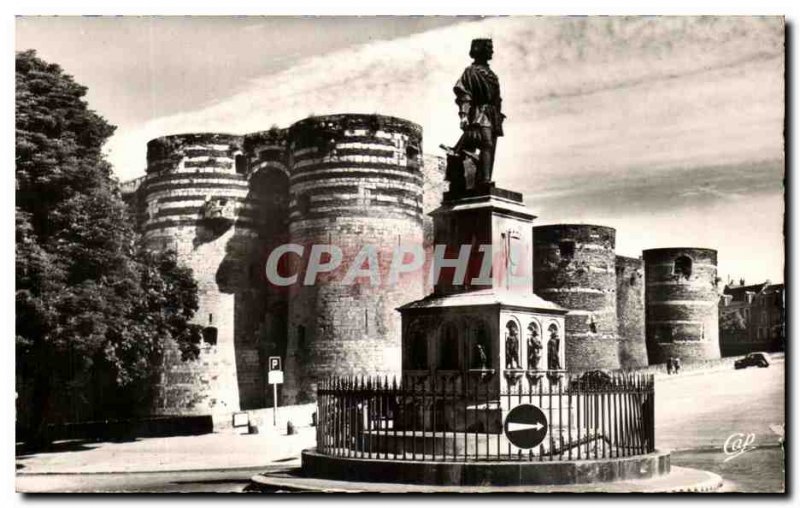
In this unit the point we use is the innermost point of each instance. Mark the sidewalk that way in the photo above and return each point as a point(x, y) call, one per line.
point(221, 451)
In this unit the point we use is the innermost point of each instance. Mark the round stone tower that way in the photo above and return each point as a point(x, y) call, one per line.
point(681, 302)
point(574, 265)
point(199, 201)
point(355, 182)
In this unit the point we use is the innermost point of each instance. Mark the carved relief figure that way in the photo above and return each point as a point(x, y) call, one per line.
point(553, 349)
point(534, 347)
point(512, 345)
point(480, 358)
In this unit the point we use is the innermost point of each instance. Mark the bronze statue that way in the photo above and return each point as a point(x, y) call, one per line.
point(479, 109)
point(534, 347)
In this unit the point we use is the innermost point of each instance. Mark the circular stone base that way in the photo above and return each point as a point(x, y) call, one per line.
point(500, 473)
point(680, 479)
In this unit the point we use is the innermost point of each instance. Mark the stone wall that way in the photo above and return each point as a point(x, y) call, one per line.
point(433, 186)
point(630, 312)
point(681, 295)
point(355, 181)
point(574, 265)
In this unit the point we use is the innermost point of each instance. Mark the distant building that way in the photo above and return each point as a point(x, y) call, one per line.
point(751, 318)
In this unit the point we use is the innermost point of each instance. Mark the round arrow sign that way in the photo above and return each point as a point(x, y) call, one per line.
point(525, 426)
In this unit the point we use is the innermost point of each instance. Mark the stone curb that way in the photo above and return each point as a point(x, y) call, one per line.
point(706, 483)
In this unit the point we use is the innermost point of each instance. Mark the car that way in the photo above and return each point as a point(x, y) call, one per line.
point(752, 360)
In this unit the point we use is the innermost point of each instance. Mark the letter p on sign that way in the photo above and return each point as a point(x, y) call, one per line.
point(275, 363)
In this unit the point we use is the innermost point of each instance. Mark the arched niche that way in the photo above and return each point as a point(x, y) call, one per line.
point(512, 344)
point(534, 346)
point(449, 357)
point(479, 351)
point(554, 347)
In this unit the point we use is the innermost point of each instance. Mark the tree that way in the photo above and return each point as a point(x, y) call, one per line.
point(93, 309)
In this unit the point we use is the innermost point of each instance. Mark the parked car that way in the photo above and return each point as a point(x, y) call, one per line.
point(752, 360)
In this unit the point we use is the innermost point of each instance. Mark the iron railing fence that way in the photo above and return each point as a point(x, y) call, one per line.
point(458, 419)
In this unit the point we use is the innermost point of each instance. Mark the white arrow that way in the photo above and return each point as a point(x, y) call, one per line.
point(516, 427)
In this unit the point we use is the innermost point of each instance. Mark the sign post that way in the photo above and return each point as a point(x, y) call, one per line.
point(275, 377)
point(525, 426)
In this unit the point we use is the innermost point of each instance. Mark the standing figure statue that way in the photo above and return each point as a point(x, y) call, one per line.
point(479, 109)
point(512, 346)
point(534, 348)
point(481, 360)
point(553, 350)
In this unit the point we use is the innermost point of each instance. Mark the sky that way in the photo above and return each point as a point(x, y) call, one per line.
point(669, 129)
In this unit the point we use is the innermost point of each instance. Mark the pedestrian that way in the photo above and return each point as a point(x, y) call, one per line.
point(677, 364)
point(669, 366)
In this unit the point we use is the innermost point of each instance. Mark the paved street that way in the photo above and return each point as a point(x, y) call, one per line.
point(695, 415)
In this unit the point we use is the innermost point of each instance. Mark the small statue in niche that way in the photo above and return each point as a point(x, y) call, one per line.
point(534, 347)
point(481, 360)
point(512, 346)
point(553, 350)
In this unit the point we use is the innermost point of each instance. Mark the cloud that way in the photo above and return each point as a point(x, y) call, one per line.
point(608, 117)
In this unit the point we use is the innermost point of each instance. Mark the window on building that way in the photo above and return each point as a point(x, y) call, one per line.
point(682, 267)
point(241, 164)
point(567, 249)
point(303, 203)
point(210, 335)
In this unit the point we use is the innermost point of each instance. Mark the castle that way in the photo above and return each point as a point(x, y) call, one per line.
point(223, 202)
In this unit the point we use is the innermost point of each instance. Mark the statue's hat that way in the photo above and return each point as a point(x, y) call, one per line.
point(477, 44)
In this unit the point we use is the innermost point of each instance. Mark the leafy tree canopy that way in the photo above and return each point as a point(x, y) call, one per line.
point(90, 305)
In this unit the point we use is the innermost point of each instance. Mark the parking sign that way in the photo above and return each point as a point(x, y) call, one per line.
point(274, 363)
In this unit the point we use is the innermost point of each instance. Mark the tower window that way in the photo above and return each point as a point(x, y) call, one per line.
point(210, 335)
point(567, 249)
point(241, 164)
point(303, 203)
point(682, 267)
point(211, 319)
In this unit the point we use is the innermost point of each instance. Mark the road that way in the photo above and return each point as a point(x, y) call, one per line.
point(181, 482)
point(695, 415)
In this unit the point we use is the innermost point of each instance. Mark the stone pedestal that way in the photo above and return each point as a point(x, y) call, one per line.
point(483, 328)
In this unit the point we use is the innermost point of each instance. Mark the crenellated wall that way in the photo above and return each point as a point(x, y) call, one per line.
point(224, 202)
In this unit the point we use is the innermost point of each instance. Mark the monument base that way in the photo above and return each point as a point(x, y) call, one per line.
point(485, 473)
